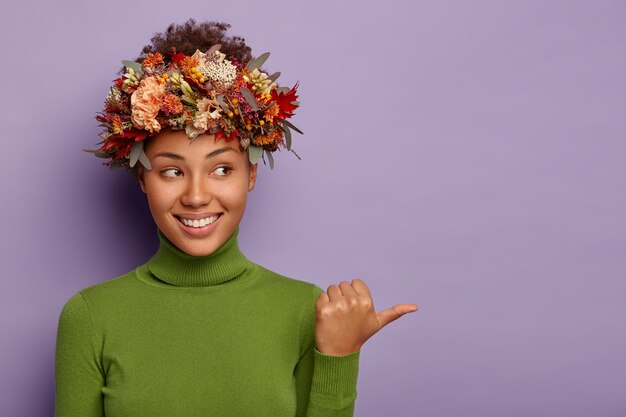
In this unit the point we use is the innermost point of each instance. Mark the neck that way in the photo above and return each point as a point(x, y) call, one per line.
point(173, 266)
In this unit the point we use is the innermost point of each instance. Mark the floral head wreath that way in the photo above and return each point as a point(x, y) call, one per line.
point(201, 93)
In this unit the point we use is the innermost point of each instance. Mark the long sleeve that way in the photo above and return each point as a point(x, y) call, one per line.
point(78, 373)
point(325, 384)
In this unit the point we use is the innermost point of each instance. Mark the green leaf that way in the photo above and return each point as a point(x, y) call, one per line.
point(247, 94)
point(257, 62)
point(274, 76)
point(270, 158)
point(292, 126)
point(254, 152)
point(134, 153)
point(284, 90)
point(295, 103)
point(136, 66)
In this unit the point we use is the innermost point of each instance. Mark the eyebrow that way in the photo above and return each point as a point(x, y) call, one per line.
point(178, 157)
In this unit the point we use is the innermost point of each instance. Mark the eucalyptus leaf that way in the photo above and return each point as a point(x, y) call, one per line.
point(249, 98)
point(284, 90)
point(254, 152)
point(294, 152)
point(212, 49)
point(220, 99)
point(270, 158)
point(295, 103)
point(143, 158)
point(134, 153)
point(274, 76)
point(258, 61)
point(292, 126)
point(287, 137)
point(136, 66)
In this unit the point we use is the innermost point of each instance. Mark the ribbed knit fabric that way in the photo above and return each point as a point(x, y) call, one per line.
point(187, 336)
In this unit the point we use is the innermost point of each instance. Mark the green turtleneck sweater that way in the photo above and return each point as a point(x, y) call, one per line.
point(198, 336)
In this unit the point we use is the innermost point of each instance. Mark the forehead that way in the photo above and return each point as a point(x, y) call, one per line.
point(178, 142)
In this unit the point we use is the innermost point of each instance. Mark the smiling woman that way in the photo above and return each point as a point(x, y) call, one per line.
point(199, 329)
point(197, 190)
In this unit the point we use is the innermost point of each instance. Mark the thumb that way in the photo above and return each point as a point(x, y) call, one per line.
point(387, 316)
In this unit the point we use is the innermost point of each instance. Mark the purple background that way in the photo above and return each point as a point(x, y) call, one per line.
point(464, 156)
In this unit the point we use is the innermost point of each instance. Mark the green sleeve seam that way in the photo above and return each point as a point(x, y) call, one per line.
point(92, 336)
point(304, 313)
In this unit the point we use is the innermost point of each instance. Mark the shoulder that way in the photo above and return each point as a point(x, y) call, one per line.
point(106, 292)
point(304, 291)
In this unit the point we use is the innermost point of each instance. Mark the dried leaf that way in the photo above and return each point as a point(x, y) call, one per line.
point(143, 158)
point(220, 99)
point(274, 76)
point(247, 94)
point(254, 153)
point(270, 158)
point(212, 49)
point(287, 137)
point(257, 62)
point(136, 66)
point(134, 153)
point(292, 126)
point(294, 152)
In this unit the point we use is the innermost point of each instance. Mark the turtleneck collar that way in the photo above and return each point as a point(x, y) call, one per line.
point(173, 266)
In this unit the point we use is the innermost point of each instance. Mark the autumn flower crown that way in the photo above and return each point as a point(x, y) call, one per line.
point(205, 92)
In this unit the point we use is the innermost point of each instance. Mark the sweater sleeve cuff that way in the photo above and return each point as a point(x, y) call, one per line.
point(335, 376)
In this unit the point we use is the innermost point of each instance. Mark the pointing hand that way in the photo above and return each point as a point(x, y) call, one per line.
point(346, 317)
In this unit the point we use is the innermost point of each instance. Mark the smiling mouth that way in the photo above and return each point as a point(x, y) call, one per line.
point(198, 223)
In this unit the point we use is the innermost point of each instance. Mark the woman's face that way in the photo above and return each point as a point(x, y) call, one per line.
point(194, 180)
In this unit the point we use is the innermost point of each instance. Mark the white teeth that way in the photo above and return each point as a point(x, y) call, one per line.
point(199, 223)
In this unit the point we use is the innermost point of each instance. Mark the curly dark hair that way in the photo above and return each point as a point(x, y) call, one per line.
point(189, 36)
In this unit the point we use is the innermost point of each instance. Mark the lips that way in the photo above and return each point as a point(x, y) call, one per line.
point(199, 231)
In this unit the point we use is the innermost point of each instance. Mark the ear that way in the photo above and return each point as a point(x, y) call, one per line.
point(252, 179)
point(140, 178)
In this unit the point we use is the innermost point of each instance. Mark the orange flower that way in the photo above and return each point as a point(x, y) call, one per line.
point(171, 104)
point(152, 60)
point(187, 63)
point(271, 113)
point(116, 124)
point(261, 140)
point(146, 103)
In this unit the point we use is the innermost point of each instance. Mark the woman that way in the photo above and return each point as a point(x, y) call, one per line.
point(200, 330)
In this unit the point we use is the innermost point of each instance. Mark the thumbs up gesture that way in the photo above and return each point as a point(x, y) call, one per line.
point(346, 318)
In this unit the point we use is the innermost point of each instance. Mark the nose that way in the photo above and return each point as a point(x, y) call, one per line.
point(197, 192)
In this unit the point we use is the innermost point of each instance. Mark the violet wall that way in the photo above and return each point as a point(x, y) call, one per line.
point(468, 157)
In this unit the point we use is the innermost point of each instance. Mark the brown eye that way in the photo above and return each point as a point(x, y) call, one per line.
point(227, 169)
point(165, 171)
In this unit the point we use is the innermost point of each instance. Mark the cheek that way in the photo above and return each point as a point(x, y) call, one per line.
point(160, 196)
point(234, 196)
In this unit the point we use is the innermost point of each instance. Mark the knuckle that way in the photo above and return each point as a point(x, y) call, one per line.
point(325, 312)
point(366, 303)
